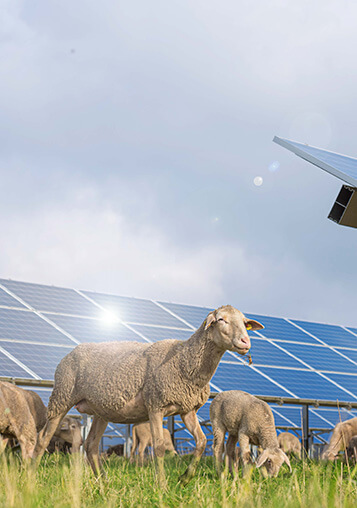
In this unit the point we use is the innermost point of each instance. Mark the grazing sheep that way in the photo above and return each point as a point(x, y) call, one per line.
point(340, 438)
point(22, 416)
point(290, 444)
point(352, 449)
point(142, 438)
point(67, 437)
point(250, 421)
point(132, 382)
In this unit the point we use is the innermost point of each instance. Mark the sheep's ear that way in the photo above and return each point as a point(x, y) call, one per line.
point(262, 458)
point(211, 318)
point(251, 324)
point(64, 426)
point(287, 461)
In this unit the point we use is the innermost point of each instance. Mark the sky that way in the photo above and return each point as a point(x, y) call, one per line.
point(131, 133)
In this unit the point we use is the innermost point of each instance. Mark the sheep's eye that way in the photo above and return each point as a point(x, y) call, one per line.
point(221, 319)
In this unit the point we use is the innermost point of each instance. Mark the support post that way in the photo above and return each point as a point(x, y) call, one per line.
point(305, 429)
point(127, 443)
point(171, 428)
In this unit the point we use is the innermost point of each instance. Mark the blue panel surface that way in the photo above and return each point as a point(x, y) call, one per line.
point(52, 299)
point(27, 326)
point(331, 334)
point(8, 301)
point(192, 314)
point(94, 330)
point(342, 166)
point(279, 328)
point(42, 360)
point(8, 368)
point(306, 384)
point(322, 417)
point(154, 333)
point(135, 310)
point(348, 382)
point(352, 355)
point(320, 357)
point(265, 353)
point(242, 377)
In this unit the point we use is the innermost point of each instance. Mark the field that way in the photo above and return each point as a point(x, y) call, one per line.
point(63, 481)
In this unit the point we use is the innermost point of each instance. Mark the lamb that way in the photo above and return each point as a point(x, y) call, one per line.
point(290, 444)
point(23, 414)
point(249, 420)
point(132, 382)
point(340, 438)
point(142, 438)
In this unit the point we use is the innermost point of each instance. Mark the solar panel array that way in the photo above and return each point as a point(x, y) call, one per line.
point(40, 324)
point(339, 165)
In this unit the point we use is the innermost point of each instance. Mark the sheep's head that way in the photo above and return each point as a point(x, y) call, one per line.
point(70, 430)
point(229, 329)
point(271, 461)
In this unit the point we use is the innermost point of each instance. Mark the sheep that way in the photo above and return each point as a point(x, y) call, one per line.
point(67, 437)
point(249, 420)
point(142, 438)
point(340, 438)
point(290, 444)
point(352, 449)
point(115, 450)
point(132, 382)
point(22, 416)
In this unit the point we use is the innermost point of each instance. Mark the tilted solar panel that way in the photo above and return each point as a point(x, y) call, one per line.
point(339, 165)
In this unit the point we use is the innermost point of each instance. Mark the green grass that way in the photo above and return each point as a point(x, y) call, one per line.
point(64, 481)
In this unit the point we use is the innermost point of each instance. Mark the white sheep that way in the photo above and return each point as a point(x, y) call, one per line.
point(290, 444)
point(340, 438)
point(248, 420)
point(132, 382)
point(142, 438)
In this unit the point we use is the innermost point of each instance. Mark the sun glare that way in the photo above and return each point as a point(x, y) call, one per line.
point(109, 318)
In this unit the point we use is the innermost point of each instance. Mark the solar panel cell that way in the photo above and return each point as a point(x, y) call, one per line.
point(94, 330)
point(279, 328)
point(332, 335)
point(51, 299)
point(27, 326)
point(320, 357)
point(42, 360)
point(154, 333)
point(192, 314)
point(9, 368)
point(347, 381)
point(265, 353)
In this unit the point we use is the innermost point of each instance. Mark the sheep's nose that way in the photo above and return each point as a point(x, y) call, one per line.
point(246, 341)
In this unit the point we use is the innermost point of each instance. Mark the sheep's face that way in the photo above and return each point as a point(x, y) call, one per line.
point(70, 431)
point(230, 329)
point(271, 461)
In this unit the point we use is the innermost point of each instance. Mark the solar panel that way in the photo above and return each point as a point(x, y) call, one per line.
point(94, 330)
point(8, 301)
point(192, 314)
point(347, 381)
point(134, 310)
point(9, 368)
point(265, 353)
point(336, 164)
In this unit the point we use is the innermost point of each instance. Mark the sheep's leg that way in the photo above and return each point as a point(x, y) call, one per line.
point(91, 444)
point(157, 432)
point(218, 447)
point(27, 441)
point(244, 452)
point(191, 422)
point(230, 453)
point(142, 446)
point(45, 435)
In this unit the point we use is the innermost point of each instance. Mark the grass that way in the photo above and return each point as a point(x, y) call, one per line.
point(64, 481)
